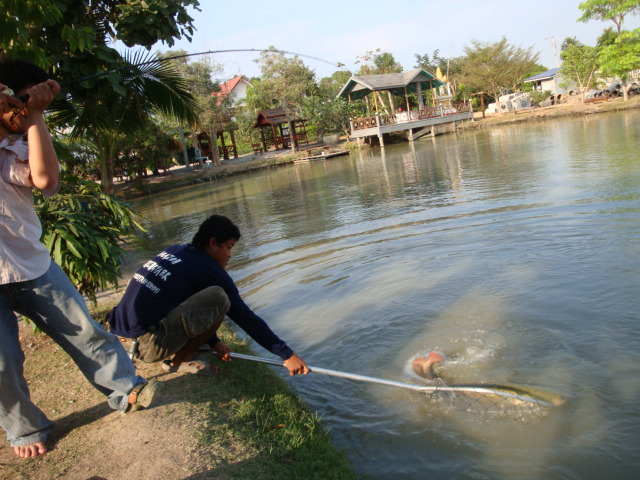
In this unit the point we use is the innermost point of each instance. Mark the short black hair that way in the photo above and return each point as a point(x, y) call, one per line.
point(20, 74)
point(218, 227)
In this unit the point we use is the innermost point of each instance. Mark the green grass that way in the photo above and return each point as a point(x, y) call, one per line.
point(249, 404)
point(283, 439)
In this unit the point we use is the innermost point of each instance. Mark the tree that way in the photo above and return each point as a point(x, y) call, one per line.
point(326, 110)
point(496, 67)
point(378, 63)
point(580, 64)
point(617, 60)
point(103, 96)
point(149, 85)
point(568, 42)
point(211, 113)
point(450, 68)
point(620, 56)
point(614, 10)
point(607, 37)
point(72, 40)
point(286, 83)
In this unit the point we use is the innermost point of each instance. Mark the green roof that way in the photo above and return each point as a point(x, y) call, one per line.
point(361, 85)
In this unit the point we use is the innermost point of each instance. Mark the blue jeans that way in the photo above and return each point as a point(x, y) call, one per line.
point(55, 306)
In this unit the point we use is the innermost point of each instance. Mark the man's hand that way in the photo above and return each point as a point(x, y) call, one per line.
point(8, 102)
point(41, 95)
point(222, 351)
point(296, 365)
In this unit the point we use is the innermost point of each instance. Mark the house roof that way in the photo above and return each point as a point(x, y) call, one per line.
point(273, 116)
point(229, 86)
point(544, 75)
point(361, 85)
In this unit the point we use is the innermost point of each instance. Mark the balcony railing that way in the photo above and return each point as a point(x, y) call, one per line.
point(403, 117)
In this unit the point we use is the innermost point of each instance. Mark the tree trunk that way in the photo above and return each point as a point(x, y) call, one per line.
point(381, 102)
point(368, 103)
point(392, 103)
point(107, 169)
point(320, 135)
point(185, 155)
point(215, 153)
point(294, 147)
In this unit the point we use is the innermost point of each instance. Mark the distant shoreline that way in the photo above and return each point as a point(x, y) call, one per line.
point(180, 177)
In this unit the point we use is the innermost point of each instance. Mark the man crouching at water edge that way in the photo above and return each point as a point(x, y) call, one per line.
point(175, 303)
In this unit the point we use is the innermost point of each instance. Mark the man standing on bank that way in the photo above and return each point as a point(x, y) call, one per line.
point(32, 284)
point(175, 303)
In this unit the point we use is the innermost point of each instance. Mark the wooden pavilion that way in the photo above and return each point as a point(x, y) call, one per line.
point(274, 130)
point(226, 150)
point(412, 123)
point(226, 126)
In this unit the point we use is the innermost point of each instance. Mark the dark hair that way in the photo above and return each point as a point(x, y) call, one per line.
point(19, 74)
point(218, 227)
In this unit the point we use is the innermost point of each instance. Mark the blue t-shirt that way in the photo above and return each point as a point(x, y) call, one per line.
point(171, 277)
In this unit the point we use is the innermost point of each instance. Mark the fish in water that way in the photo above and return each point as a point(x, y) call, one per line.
point(424, 366)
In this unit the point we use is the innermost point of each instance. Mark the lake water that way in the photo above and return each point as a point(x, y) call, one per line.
point(513, 251)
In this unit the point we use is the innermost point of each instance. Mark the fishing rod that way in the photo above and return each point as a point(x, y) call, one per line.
point(185, 55)
point(25, 97)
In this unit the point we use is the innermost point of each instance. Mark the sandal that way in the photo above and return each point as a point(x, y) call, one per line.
point(142, 395)
point(197, 367)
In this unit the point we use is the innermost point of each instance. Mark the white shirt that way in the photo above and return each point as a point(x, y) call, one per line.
point(22, 256)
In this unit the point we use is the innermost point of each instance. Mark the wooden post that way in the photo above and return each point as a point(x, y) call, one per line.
point(225, 155)
point(233, 144)
point(275, 136)
point(264, 140)
point(420, 97)
point(406, 97)
point(433, 94)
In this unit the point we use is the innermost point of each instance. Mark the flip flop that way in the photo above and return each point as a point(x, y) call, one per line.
point(142, 395)
point(196, 367)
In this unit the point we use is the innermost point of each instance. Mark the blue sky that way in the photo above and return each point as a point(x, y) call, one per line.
point(339, 31)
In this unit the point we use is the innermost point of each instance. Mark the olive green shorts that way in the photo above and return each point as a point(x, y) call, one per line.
point(192, 317)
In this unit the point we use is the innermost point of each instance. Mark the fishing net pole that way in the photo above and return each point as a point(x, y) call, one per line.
point(487, 397)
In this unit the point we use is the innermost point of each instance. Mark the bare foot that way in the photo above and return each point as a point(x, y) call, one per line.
point(31, 450)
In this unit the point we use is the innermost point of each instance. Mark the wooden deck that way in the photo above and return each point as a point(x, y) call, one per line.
point(415, 123)
point(321, 157)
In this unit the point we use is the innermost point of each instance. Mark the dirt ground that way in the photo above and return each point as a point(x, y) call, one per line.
point(572, 106)
point(91, 439)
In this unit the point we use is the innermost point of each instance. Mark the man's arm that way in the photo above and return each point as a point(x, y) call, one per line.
point(43, 162)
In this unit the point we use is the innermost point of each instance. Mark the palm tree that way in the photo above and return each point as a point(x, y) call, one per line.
point(148, 85)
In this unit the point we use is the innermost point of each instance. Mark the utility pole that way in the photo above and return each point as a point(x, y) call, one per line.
point(555, 53)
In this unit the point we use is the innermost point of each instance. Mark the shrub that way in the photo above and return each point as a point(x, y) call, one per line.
point(82, 227)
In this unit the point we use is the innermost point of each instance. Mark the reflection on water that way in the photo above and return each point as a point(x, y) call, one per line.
point(513, 251)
